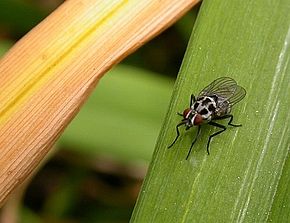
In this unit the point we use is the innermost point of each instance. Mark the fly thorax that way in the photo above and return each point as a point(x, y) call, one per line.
point(206, 107)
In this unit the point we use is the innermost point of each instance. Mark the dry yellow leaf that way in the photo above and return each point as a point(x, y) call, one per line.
point(49, 73)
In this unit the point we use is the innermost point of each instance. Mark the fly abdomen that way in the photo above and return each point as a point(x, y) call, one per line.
point(223, 108)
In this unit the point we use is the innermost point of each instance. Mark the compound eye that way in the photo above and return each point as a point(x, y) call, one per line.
point(198, 120)
point(186, 112)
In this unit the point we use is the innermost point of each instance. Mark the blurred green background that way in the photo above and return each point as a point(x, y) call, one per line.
point(95, 172)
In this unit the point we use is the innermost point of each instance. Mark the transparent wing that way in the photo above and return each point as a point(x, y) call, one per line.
point(225, 87)
point(239, 94)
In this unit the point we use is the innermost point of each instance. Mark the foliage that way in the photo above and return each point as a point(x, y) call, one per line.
point(245, 178)
point(95, 175)
point(125, 108)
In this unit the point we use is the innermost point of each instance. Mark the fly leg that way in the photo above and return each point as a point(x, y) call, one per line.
point(197, 134)
point(178, 113)
point(192, 100)
point(213, 135)
point(230, 121)
point(177, 134)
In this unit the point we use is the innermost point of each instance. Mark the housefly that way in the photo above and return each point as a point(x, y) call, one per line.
point(214, 102)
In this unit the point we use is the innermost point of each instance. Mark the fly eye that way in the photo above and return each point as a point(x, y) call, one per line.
point(198, 120)
point(186, 112)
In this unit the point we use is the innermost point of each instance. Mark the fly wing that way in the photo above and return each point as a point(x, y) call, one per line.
point(225, 87)
point(239, 94)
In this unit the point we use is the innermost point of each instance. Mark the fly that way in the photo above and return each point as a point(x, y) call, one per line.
point(214, 102)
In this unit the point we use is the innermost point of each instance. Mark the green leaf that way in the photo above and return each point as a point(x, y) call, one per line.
point(245, 178)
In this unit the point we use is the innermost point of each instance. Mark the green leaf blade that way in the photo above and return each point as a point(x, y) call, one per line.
point(239, 181)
